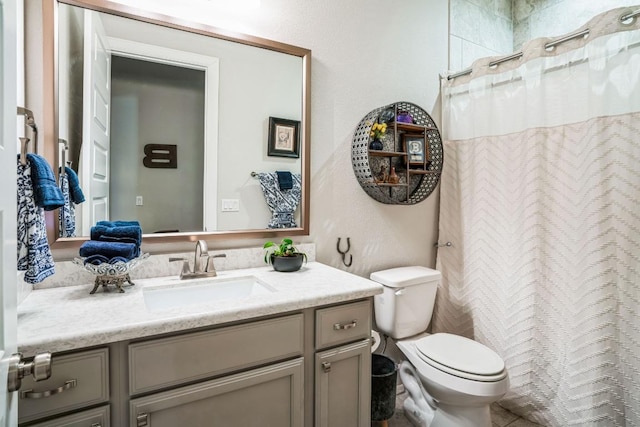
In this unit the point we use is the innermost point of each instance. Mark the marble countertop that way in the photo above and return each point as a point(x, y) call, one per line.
point(68, 318)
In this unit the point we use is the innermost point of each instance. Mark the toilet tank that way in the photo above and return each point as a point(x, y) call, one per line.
point(406, 304)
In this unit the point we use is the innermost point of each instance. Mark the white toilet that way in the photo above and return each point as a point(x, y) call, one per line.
point(451, 380)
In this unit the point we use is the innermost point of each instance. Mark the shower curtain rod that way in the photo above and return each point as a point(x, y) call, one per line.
point(518, 55)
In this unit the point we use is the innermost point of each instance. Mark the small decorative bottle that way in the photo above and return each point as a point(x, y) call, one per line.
point(376, 144)
point(393, 177)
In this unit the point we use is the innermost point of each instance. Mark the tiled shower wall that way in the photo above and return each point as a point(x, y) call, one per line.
point(549, 18)
point(480, 28)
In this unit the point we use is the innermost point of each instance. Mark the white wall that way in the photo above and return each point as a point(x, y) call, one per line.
point(365, 53)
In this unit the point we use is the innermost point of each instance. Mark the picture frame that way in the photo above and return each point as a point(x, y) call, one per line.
point(415, 147)
point(284, 138)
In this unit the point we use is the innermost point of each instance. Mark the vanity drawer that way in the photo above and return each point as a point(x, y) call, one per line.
point(97, 417)
point(165, 362)
point(77, 380)
point(342, 324)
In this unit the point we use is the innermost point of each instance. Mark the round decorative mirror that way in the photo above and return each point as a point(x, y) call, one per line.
point(397, 154)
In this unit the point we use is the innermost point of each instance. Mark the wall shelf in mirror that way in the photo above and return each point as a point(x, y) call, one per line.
point(414, 150)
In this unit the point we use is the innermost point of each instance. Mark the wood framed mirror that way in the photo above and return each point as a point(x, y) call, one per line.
point(245, 80)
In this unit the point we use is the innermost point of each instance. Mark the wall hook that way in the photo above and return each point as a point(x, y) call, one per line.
point(344, 254)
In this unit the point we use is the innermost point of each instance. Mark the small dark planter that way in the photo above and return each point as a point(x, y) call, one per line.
point(287, 263)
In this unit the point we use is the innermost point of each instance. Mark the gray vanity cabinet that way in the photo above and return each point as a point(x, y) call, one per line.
point(342, 373)
point(301, 369)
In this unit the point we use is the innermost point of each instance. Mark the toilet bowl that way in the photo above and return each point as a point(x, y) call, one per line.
point(451, 380)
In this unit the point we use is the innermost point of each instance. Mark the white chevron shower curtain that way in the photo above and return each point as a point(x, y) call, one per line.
point(540, 198)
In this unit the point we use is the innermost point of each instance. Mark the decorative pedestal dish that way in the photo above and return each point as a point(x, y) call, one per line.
point(111, 274)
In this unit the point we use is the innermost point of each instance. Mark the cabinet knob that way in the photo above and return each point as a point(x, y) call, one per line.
point(326, 367)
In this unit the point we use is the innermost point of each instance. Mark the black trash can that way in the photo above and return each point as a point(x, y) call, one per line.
point(384, 374)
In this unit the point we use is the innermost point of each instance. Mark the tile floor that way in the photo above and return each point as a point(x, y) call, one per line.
point(500, 417)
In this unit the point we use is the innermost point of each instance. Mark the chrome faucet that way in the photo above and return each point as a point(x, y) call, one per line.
point(201, 251)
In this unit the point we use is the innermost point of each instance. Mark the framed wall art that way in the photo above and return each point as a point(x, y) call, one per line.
point(284, 138)
point(414, 146)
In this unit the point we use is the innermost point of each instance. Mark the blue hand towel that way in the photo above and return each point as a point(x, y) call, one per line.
point(108, 249)
point(46, 192)
point(285, 180)
point(75, 192)
point(133, 232)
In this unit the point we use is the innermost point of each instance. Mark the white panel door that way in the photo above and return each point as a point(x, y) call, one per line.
point(94, 168)
point(8, 223)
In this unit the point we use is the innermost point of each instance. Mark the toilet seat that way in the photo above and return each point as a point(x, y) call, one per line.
point(461, 357)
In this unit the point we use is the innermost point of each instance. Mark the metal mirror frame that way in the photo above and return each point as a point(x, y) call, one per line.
point(50, 119)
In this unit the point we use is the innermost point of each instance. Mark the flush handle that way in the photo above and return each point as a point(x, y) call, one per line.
point(400, 291)
point(342, 327)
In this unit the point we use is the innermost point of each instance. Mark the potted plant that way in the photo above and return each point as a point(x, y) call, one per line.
point(284, 256)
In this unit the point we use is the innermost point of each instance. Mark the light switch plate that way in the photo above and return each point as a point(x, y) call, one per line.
point(139, 201)
point(230, 205)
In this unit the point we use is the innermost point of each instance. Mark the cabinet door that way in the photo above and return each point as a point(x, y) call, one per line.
point(269, 396)
point(343, 386)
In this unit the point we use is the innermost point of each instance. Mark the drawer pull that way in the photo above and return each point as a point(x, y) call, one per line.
point(326, 367)
point(339, 327)
point(29, 394)
point(142, 420)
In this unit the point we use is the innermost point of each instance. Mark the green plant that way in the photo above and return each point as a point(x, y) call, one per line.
point(285, 248)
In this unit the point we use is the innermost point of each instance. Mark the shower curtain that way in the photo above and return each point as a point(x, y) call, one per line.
point(540, 198)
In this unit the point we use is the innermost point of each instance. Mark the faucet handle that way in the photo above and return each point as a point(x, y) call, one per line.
point(185, 265)
point(211, 268)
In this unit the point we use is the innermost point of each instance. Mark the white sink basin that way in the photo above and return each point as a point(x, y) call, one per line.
point(200, 291)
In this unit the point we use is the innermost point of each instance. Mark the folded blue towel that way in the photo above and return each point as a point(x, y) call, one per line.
point(96, 259)
point(285, 180)
point(116, 259)
point(106, 233)
point(118, 223)
point(75, 192)
point(46, 192)
point(108, 249)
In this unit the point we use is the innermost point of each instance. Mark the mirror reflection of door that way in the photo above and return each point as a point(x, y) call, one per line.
point(141, 94)
point(94, 157)
point(156, 103)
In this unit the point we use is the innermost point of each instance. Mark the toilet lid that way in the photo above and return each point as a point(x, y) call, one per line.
point(461, 356)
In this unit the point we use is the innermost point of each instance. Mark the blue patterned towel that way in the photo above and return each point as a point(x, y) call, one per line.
point(34, 254)
point(108, 249)
point(67, 213)
point(46, 192)
point(282, 203)
point(75, 192)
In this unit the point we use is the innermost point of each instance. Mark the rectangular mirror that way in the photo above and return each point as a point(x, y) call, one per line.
point(165, 122)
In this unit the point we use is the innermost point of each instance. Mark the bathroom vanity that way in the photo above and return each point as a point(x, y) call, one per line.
point(296, 355)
